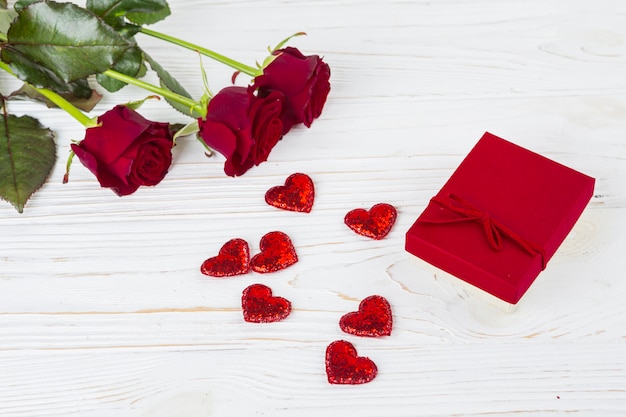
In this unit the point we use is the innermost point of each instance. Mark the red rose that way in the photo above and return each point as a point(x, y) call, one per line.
point(243, 127)
point(126, 151)
point(303, 80)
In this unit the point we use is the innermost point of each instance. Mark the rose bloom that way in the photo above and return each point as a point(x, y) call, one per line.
point(303, 80)
point(242, 126)
point(126, 151)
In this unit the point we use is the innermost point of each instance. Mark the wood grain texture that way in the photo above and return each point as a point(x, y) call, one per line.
point(103, 310)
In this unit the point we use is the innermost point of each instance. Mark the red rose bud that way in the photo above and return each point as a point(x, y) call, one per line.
point(303, 80)
point(243, 127)
point(126, 151)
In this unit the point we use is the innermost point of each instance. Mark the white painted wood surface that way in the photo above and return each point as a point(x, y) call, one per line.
point(103, 310)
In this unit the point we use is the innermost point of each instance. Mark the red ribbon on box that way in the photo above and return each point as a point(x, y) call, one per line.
point(492, 227)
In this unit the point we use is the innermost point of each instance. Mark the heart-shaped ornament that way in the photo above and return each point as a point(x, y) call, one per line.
point(297, 194)
point(343, 366)
point(277, 252)
point(260, 306)
point(374, 223)
point(372, 320)
point(232, 259)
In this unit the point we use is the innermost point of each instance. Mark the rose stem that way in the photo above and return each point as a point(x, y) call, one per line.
point(246, 69)
point(72, 110)
point(157, 90)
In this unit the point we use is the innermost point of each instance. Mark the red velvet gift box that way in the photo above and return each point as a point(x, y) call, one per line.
point(500, 217)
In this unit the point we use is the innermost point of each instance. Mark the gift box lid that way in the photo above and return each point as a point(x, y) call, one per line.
point(500, 217)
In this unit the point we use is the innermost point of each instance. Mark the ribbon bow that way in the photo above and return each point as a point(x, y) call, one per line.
point(493, 228)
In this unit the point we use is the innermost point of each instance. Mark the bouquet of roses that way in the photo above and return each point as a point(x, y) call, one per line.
point(59, 49)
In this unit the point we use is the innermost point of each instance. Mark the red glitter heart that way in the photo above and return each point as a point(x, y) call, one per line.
point(374, 223)
point(232, 259)
point(373, 318)
point(343, 366)
point(259, 306)
point(297, 194)
point(277, 252)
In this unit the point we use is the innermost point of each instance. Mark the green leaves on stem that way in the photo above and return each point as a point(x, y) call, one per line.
point(53, 44)
point(137, 12)
point(54, 47)
point(58, 45)
point(50, 96)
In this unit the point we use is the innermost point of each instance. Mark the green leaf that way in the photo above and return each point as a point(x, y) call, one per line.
point(43, 77)
point(170, 83)
point(144, 18)
point(27, 155)
point(130, 64)
point(63, 40)
point(140, 12)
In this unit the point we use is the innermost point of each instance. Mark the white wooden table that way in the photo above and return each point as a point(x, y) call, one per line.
point(103, 310)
